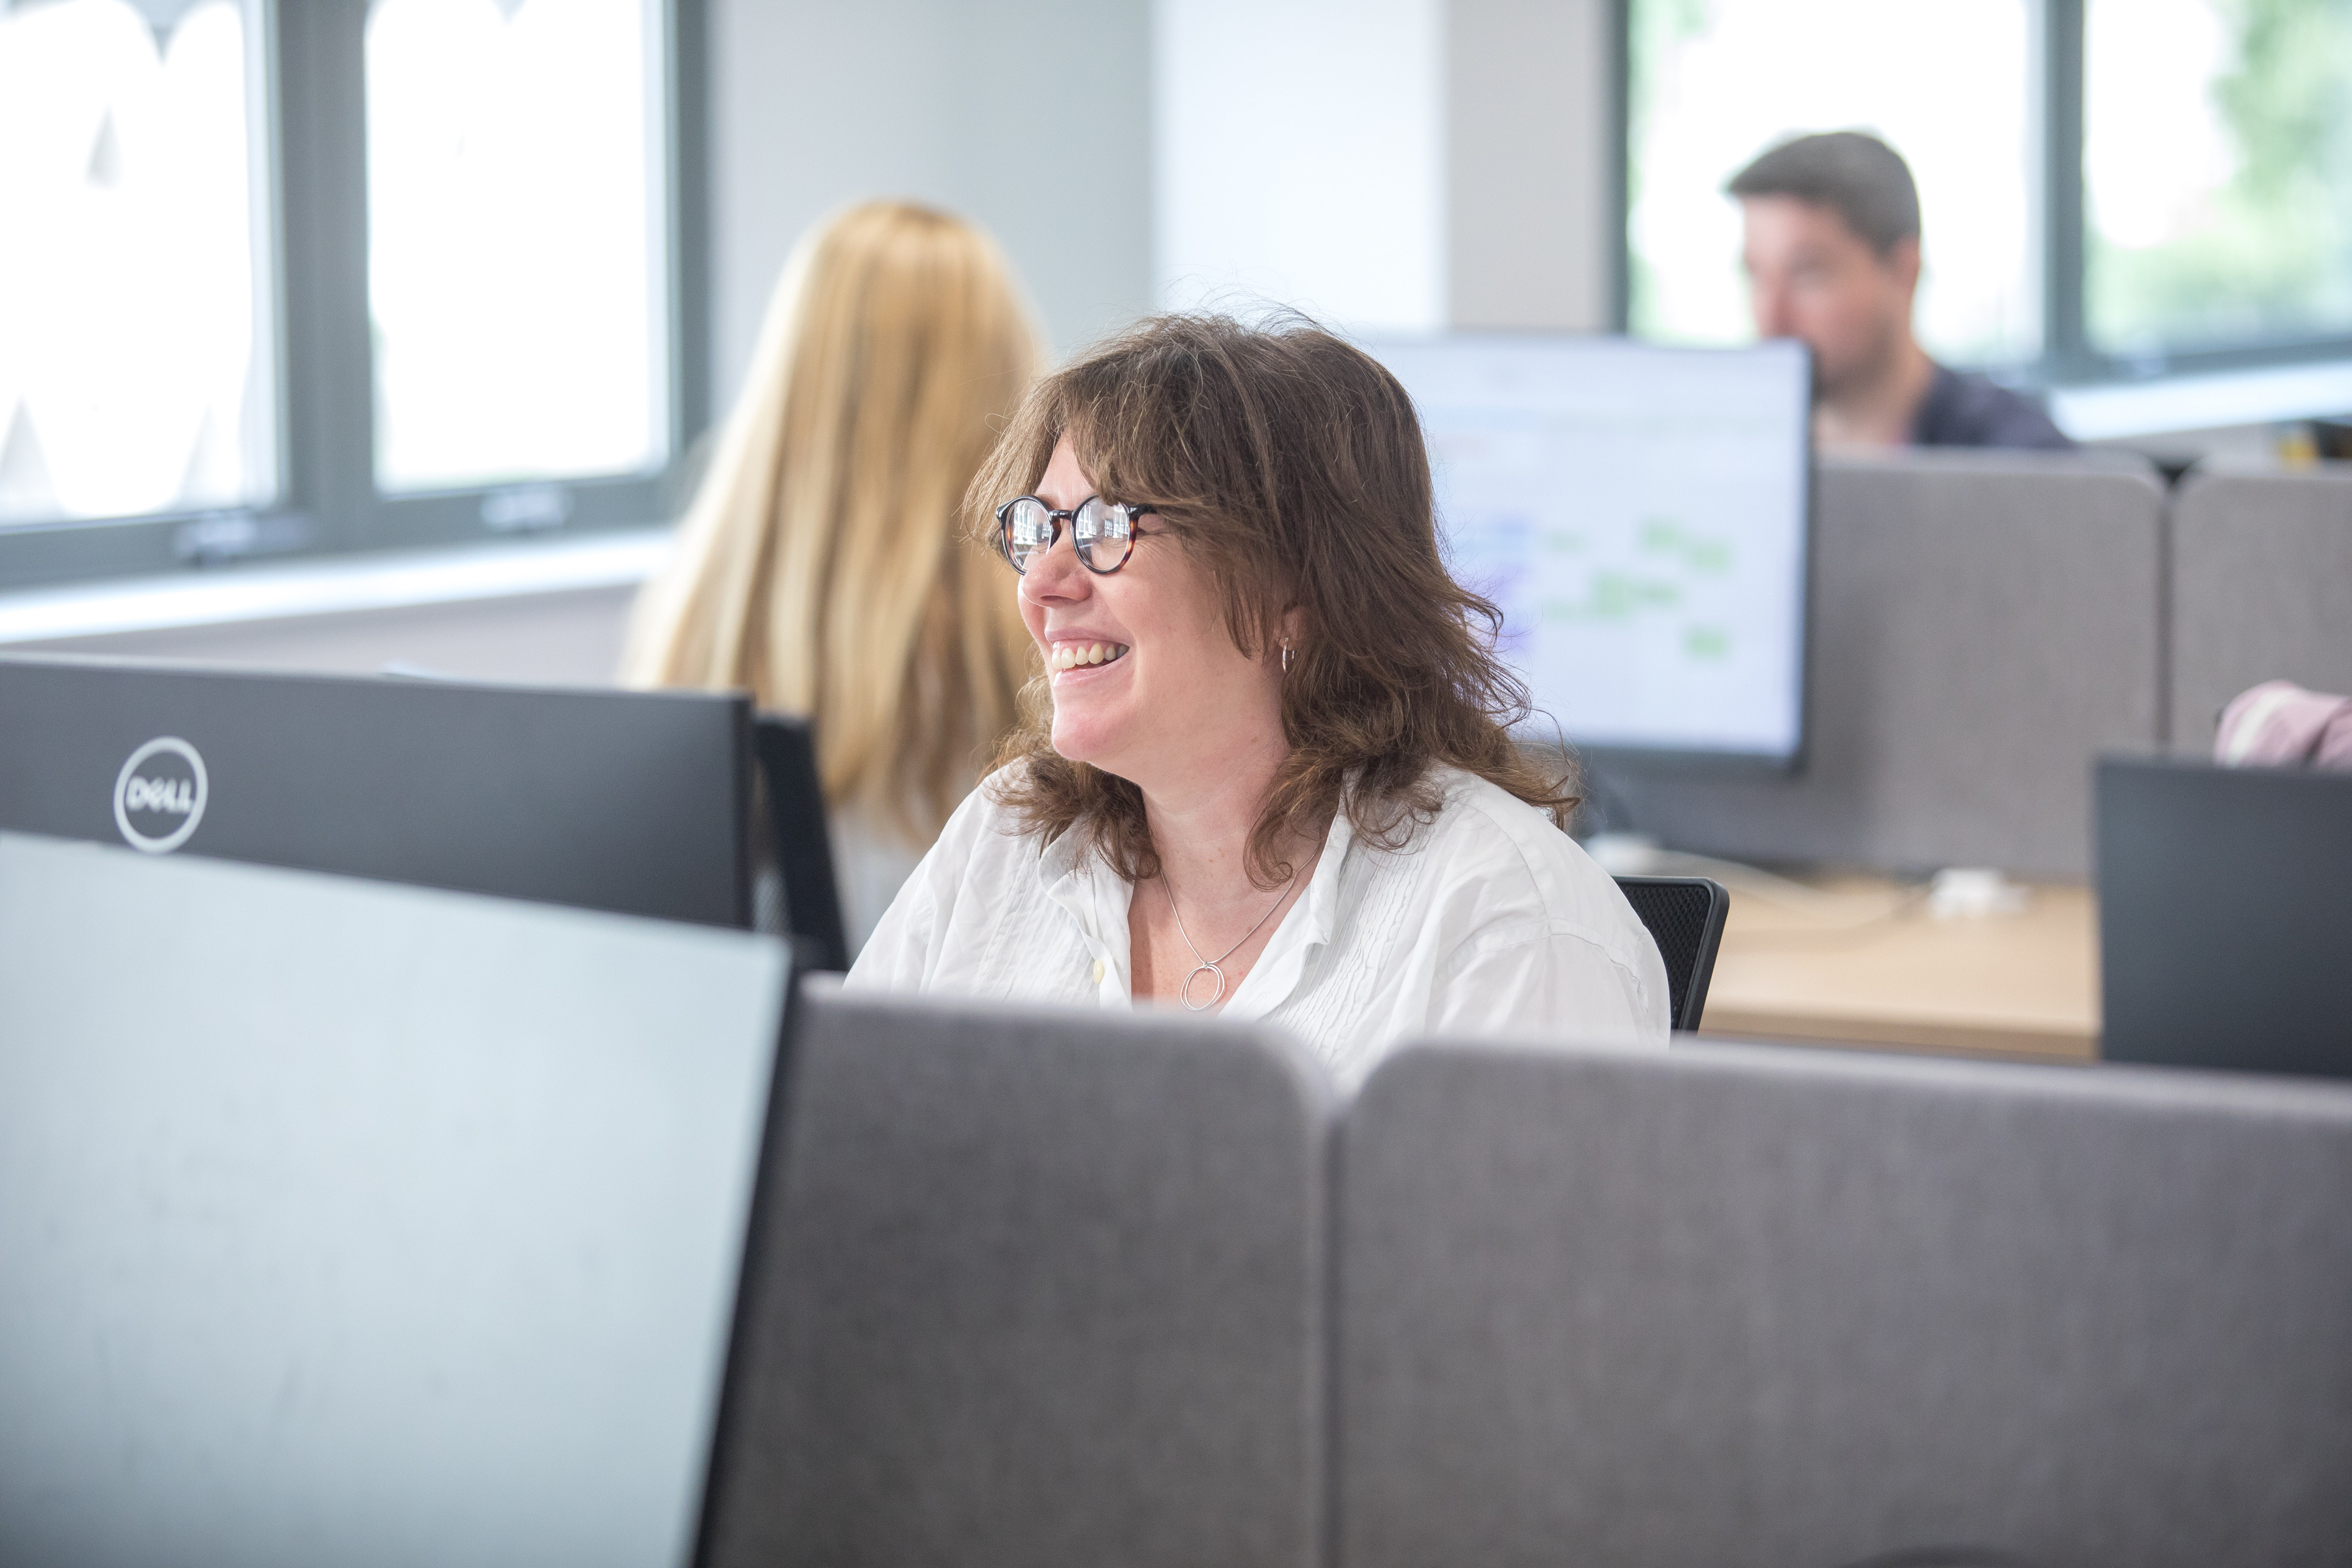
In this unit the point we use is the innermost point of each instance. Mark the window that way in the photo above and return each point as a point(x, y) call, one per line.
point(2109, 189)
point(136, 360)
point(514, 273)
point(2217, 163)
point(1714, 84)
point(327, 277)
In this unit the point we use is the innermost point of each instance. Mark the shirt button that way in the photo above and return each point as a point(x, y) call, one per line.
point(1097, 974)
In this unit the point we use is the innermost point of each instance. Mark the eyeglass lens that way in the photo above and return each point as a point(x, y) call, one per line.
point(1101, 532)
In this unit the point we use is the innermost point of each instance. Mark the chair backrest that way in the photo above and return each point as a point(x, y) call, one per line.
point(1035, 1289)
point(1731, 1304)
point(1685, 916)
point(1983, 626)
point(379, 1223)
point(799, 845)
point(2261, 590)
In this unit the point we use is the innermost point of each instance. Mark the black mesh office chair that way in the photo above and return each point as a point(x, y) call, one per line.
point(1685, 915)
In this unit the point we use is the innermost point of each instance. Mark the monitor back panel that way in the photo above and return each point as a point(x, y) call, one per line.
point(2225, 916)
point(1732, 1305)
point(360, 1224)
point(631, 801)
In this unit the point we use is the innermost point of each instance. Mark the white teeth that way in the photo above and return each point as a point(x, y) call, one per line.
point(1071, 655)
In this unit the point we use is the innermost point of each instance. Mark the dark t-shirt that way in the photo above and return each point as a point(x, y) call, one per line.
point(1969, 411)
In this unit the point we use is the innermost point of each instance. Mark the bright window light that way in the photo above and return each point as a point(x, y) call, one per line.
point(136, 349)
point(516, 271)
point(1951, 88)
point(2217, 155)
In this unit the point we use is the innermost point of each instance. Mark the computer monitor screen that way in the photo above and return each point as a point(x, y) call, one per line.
point(633, 801)
point(1641, 515)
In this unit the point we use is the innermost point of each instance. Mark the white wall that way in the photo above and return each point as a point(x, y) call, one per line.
point(1300, 158)
point(1530, 213)
point(1030, 117)
point(1386, 165)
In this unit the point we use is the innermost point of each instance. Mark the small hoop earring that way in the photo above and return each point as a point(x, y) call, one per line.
point(1286, 657)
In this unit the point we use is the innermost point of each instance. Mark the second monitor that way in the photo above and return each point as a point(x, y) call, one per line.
point(1640, 515)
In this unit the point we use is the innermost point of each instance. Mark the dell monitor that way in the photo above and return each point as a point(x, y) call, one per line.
point(636, 803)
point(1641, 515)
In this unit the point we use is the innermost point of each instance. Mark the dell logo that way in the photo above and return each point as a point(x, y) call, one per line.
point(159, 796)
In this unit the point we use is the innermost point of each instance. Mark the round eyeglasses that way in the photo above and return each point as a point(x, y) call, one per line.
point(1103, 533)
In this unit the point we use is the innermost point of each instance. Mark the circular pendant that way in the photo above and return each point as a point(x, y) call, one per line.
point(1213, 997)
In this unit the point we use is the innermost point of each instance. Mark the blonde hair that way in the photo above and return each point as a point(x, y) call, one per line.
point(820, 565)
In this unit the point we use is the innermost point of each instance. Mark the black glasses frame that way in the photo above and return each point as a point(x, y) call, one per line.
point(1054, 517)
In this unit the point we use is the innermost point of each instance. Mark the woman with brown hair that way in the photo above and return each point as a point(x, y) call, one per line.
point(821, 566)
point(1268, 766)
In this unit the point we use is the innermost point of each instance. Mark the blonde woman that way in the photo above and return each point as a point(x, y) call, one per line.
point(821, 565)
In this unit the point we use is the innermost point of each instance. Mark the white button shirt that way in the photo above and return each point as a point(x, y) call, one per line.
point(1490, 920)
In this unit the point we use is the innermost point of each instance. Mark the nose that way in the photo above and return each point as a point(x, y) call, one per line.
point(1056, 577)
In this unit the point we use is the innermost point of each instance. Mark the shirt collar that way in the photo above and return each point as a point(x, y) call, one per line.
point(1076, 878)
point(1308, 926)
point(1078, 881)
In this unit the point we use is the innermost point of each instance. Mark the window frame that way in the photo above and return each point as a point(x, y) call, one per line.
point(2067, 359)
point(314, 124)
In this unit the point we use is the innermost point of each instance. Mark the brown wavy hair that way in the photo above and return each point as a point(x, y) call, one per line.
point(1291, 465)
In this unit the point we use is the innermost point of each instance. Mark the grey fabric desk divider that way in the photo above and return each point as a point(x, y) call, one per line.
point(1983, 625)
point(1734, 1305)
point(2262, 589)
point(1039, 1288)
point(349, 1222)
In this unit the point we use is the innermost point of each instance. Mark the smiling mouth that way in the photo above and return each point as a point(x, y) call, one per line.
point(1078, 655)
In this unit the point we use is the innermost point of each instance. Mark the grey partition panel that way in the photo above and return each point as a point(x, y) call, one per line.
point(346, 1223)
point(2261, 590)
point(1983, 626)
point(1734, 1305)
point(1032, 1289)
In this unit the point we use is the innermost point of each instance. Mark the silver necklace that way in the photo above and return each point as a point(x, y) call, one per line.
point(1210, 965)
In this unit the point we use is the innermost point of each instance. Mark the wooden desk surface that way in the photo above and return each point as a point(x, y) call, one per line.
point(1864, 963)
